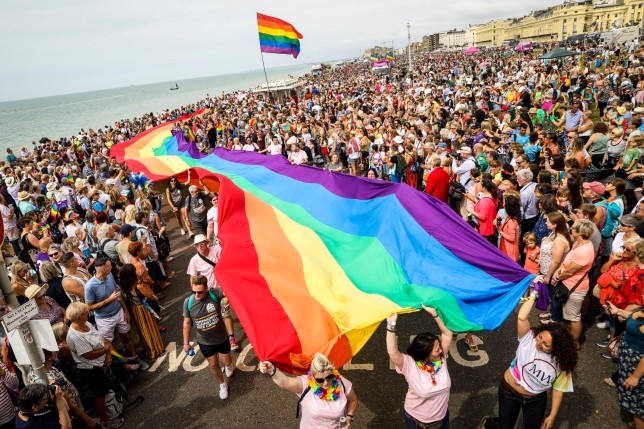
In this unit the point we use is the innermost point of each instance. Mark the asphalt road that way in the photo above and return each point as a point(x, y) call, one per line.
point(180, 392)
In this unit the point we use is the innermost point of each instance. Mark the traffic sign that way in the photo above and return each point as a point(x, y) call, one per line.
point(20, 315)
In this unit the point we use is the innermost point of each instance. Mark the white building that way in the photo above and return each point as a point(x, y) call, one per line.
point(456, 39)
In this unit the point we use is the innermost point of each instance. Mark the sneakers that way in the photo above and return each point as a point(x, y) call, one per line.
point(603, 343)
point(223, 391)
point(192, 234)
point(609, 381)
point(183, 231)
point(114, 423)
point(606, 355)
point(229, 370)
point(603, 325)
point(233, 344)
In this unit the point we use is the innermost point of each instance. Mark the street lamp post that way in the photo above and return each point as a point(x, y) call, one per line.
point(409, 47)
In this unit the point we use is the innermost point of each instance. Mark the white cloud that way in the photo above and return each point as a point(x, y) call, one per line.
point(70, 46)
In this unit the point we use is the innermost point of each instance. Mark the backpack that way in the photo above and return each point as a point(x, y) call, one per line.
point(401, 164)
point(102, 254)
point(134, 237)
point(191, 299)
point(113, 404)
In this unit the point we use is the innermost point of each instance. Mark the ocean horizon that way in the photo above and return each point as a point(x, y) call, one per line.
point(26, 120)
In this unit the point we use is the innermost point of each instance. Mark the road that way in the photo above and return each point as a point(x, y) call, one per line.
point(180, 392)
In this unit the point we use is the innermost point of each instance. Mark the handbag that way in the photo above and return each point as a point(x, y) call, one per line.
point(613, 347)
point(456, 190)
point(562, 293)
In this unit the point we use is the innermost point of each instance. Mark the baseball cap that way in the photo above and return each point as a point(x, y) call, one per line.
point(465, 149)
point(126, 229)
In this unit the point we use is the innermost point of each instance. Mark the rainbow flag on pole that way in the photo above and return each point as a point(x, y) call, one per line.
point(277, 36)
point(314, 261)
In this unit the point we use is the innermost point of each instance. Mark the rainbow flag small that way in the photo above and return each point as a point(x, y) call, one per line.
point(252, 122)
point(220, 128)
point(390, 57)
point(374, 59)
point(286, 127)
point(116, 355)
point(277, 36)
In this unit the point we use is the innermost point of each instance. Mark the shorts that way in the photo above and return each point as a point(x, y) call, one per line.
point(225, 308)
point(96, 379)
point(107, 325)
point(207, 350)
point(199, 227)
point(353, 160)
point(572, 307)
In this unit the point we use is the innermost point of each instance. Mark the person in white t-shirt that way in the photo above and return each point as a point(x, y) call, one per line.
point(424, 366)
point(544, 360)
point(212, 218)
point(297, 155)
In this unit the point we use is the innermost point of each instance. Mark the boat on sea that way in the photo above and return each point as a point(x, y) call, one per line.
point(175, 87)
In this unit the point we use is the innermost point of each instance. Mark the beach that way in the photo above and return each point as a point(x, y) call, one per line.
point(24, 121)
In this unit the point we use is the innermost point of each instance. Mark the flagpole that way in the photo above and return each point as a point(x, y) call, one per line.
point(268, 88)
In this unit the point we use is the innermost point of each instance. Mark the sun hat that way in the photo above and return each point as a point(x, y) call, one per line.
point(200, 238)
point(398, 139)
point(23, 195)
point(621, 110)
point(10, 181)
point(51, 186)
point(639, 110)
point(36, 291)
point(71, 215)
point(465, 149)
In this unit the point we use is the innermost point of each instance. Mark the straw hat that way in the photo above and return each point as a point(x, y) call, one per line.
point(34, 291)
point(51, 186)
point(23, 195)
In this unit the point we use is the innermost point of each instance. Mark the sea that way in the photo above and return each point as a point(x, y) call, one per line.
point(25, 121)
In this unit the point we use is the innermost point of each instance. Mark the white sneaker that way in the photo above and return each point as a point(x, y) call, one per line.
point(228, 370)
point(183, 231)
point(603, 325)
point(223, 391)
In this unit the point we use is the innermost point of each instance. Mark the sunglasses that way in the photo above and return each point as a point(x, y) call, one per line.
point(329, 377)
point(626, 249)
point(198, 292)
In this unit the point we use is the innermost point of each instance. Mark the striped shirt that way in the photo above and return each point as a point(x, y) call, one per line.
point(84, 342)
point(7, 409)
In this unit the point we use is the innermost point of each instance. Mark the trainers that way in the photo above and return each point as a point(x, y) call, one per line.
point(603, 325)
point(114, 423)
point(223, 390)
point(183, 231)
point(603, 343)
point(233, 344)
point(229, 370)
point(609, 381)
point(192, 234)
point(606, 355)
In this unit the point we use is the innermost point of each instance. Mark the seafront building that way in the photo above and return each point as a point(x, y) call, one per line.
point(555, 24)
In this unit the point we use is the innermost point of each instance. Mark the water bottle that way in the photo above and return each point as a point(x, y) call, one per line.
point(343, 422)
point(191, 352)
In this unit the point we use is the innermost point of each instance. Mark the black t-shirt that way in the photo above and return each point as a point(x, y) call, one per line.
point(212, 137)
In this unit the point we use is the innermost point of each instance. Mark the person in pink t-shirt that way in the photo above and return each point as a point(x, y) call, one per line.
point(325, 396)
point(425, 369)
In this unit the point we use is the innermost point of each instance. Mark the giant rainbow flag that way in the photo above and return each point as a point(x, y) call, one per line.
point(277, 36)
point(314, 261)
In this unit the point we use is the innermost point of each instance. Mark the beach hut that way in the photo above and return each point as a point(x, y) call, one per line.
point(471, 50)
point(558, 53)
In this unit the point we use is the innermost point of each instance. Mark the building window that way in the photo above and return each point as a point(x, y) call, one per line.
point(574, 27)
point(564, 28)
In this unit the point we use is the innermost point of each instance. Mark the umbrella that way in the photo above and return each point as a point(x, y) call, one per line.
point(471, 50)
point(557, 53)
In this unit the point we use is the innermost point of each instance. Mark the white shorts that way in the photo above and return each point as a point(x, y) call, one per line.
point(572, 307)
point(106, 326)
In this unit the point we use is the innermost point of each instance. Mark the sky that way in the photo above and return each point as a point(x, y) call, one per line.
point(67, 46)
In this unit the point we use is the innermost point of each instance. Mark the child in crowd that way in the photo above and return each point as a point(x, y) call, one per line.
point(532, 253)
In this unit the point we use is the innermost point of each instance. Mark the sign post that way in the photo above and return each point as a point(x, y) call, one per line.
point(18, 318)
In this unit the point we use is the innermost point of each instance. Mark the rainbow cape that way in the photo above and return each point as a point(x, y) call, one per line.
point(277, 36)
point(313, 261)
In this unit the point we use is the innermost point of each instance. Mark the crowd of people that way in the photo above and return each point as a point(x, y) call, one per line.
point(542, 158)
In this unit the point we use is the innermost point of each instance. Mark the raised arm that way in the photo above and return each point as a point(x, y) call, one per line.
point(392, 345)
point(523, 324)
point(292, 384)
point(446, 333)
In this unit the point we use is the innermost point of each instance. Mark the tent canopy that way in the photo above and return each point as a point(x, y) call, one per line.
point(557, 53)
point(471, 50)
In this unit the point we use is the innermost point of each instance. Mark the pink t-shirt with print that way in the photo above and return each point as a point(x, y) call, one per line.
point(322, 414)
point(424, 401)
